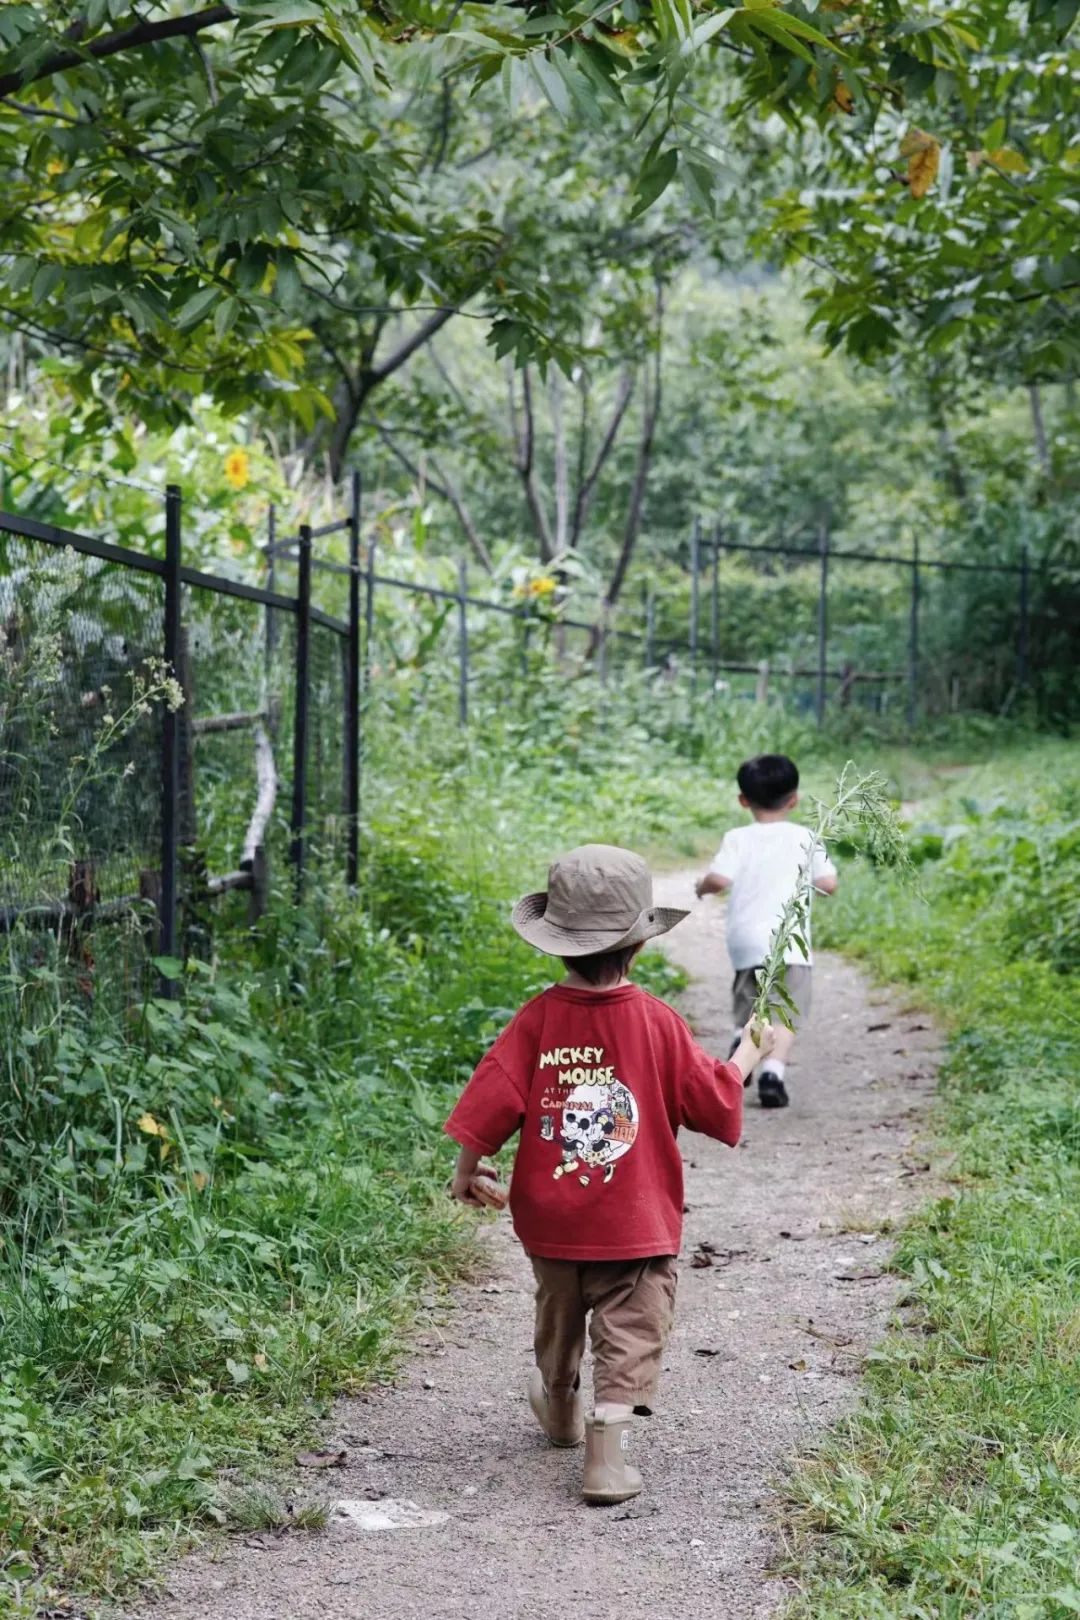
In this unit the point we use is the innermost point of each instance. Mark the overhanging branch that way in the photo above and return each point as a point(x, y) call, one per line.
point(125, 39)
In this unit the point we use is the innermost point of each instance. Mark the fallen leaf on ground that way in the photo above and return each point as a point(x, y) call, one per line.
point(797, 1366)
point(870, 1028)
point(321, 1459)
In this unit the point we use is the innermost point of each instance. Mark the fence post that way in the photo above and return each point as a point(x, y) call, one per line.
point(695, 571)
point(369, 612)
point(168, 902)
point(913, 639)
point(271, 584)
point(463, 643)
point(714, 618)
point(823, 624)
point(650, 625)
point(300, 711)
point(1023, 625)
point(352, 696)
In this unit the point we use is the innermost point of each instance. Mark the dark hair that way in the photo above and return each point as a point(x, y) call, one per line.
point(768, 780)
point(603, 967)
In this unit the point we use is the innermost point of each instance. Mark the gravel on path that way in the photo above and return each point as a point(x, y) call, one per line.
point(766, 1352)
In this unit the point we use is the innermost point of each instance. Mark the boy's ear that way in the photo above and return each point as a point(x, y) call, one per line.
point(793, 801)
point(744, 801)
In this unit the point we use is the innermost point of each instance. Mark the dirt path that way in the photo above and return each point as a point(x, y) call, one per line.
point(766, 1352)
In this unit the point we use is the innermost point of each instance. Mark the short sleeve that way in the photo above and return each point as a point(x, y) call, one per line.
point(489, 1110)
point(711, 1096)
point(726, 860)
point(820, 864)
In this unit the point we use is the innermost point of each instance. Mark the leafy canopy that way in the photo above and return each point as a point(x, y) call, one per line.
point(175, 179)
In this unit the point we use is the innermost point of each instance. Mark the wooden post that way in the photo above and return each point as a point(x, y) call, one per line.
point(1023, 621)
point(913, 639)
point(823, 625)
point(714, 618)
point(463, 643)
point(761, 690)
point(695, 572)
point(83, 896)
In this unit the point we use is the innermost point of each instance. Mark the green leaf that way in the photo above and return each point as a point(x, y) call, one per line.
point(654, 180)
point(196, 308)
point(169, 967)
point(705, 30)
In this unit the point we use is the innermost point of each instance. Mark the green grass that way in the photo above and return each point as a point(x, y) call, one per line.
point(954, 1493)
point(222, 1213)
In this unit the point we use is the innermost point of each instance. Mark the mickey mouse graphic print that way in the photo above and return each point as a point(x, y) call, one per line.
point(599, 1124)
point(598, 1083)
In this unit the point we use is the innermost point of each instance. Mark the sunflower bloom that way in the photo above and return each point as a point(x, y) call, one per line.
point(238, 468)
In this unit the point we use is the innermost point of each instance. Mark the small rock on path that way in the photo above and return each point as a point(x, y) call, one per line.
point(766, 1352)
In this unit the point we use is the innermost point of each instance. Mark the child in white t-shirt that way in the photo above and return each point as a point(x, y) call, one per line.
point(758, 867)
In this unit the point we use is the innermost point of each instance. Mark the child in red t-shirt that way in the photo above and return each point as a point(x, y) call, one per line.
point(598, 1076)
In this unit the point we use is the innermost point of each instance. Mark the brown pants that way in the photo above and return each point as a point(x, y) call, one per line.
point(632, 1306)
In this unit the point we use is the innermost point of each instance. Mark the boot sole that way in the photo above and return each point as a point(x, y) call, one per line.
point(564, 1443)
point(609, 1498)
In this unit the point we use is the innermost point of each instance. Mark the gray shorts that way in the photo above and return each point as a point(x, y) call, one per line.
point(744, 992)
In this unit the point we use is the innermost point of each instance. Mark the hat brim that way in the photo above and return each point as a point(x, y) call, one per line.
point(531, 923)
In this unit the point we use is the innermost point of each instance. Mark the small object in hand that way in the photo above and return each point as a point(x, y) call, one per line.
point(489, 1192)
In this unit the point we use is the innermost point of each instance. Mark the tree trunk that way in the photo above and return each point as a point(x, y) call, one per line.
point(646, 442)
point(1038, 428)
point(587, 483)
point(524, 430)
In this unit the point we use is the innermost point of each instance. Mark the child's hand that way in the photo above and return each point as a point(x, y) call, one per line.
point(757, 1042)
point(763, 1037)
point(478, 1187)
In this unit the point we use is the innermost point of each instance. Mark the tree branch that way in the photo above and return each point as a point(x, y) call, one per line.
point(562, 480)
point(525, 459)
point(587, 486)
point(125, 39)
point(406, 350)
point(443, 486)
point(641, 468)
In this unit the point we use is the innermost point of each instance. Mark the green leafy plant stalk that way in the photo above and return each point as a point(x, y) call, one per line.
point(860, 814)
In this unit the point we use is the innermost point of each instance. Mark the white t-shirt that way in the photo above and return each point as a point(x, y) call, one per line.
point(762, 863)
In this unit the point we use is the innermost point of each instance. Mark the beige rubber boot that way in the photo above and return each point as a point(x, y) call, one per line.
point(560, 1416)
point(609, 1478)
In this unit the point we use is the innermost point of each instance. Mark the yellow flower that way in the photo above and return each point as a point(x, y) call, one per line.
point(542, 587)
point(151, 1126)
point(237, 468)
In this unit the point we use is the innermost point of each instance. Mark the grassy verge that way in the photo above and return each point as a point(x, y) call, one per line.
point(955, 1491)
point(222, 1211)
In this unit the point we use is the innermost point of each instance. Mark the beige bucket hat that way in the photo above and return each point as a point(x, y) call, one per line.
point(598, 898)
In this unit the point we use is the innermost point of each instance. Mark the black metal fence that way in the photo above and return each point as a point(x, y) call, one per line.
point(266, 671)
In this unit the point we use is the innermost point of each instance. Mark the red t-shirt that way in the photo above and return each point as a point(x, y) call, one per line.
point(598, 1082)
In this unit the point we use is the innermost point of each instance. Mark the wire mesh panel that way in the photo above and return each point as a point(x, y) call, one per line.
point(80, 754)
point(79, 758)
point(326, 796)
